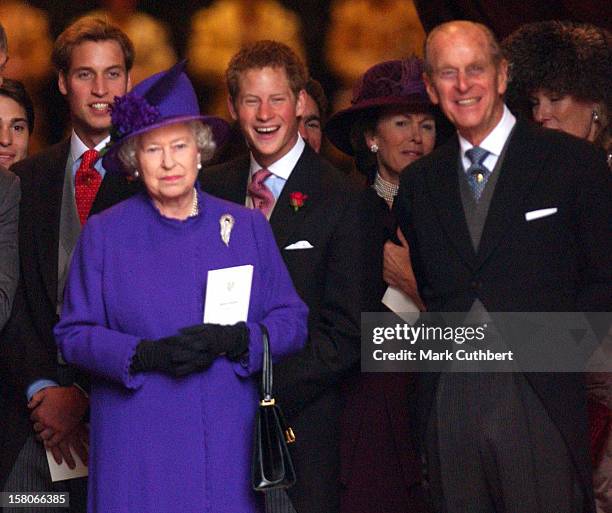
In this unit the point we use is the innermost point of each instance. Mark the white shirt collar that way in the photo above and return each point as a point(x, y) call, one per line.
point(494, 142)
point(78, 147)
point(283, 166)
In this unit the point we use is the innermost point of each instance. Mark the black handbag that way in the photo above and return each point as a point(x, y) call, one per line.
point(271, 467)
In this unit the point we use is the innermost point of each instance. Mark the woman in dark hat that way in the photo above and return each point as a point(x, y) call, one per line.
point(560, 77)
point(172, 405)
point(390, 124)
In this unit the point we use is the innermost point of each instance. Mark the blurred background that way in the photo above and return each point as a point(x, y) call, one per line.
point(339, 39)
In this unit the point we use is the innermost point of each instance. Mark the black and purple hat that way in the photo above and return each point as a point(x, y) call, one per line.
point(162, 99)
point(388, 83)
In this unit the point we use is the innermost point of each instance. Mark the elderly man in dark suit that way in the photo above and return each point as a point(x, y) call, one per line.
point(312, 213)
point(504, 217)
point(61, 186)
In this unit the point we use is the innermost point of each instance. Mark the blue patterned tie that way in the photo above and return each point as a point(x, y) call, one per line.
point(478, 174)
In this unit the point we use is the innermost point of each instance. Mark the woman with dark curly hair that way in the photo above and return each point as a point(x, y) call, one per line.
point(560, 75)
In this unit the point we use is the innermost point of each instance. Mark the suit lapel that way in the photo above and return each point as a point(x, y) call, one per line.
point(305, 179)
point(518, 173)
point(69, 229)
point(48, 192)
point(443, 183)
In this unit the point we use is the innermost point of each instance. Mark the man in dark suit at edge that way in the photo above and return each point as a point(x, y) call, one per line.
point(9, 207)
point(312, 213)
point(505, 217)
point(61, 186)
point(10, 193)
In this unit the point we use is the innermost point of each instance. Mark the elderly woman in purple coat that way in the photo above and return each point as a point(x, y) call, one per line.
point(172, 398)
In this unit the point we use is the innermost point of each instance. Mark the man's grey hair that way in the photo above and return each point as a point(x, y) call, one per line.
point(204, 141)
point(497, 54)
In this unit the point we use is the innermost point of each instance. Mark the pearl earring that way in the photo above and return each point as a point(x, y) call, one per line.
point(374, 148)
point(136, 174)
point(199, 166)
point(595, 116)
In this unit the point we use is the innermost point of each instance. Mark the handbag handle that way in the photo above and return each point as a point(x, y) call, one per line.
point(266, 372)
point(266, 383)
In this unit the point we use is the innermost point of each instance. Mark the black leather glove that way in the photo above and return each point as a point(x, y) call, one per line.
point(194, 349)
point(232, 341)
point(154, 355)
point(202, 343)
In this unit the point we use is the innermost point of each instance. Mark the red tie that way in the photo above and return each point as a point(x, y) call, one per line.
point(86, 184)
point(262, 197)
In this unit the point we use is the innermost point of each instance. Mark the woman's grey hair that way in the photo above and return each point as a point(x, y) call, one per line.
point(204, 141)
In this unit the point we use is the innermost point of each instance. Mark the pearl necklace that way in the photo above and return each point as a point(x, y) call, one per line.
point(385, 189)
point(194, 205)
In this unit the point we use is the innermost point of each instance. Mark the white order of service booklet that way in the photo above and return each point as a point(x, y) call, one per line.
point(228, 293)
point(401, 304)
point(63, 471)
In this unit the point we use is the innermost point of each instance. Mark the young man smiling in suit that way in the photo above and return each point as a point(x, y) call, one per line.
point(504, 217)
point(61, 187)
point(312, 212)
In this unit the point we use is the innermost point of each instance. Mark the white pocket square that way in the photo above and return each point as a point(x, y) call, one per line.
point(537, 214)
point(301, 244)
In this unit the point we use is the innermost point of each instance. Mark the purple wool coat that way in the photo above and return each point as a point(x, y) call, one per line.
point(158, 443)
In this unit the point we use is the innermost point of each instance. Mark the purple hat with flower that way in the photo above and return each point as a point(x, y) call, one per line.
point(162, 99)
point(390, 83)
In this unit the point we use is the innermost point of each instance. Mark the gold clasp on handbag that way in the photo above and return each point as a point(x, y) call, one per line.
point(289, 435)
point(267, 402)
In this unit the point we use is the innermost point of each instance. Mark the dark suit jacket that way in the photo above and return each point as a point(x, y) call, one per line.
point(327, 278)
point(380, 465)
point(562, 262)
point(9, 260)
point(30, 350)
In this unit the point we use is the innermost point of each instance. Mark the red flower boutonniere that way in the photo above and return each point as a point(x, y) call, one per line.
point(297, 200)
